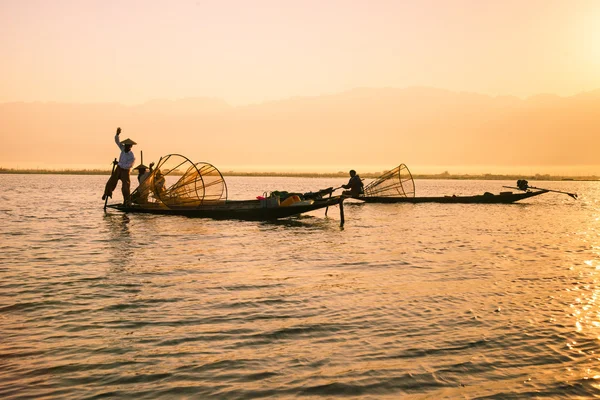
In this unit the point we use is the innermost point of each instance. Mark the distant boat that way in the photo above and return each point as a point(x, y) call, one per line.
point(398, 186)
point(486, 198)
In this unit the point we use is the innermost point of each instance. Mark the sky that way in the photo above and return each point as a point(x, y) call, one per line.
point(248, 52)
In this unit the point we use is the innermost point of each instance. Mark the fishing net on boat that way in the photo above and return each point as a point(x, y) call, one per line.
point(178, 182)
point(395, 183)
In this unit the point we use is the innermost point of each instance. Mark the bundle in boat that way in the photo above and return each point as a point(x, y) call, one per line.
point(177, 182)
point(395, 183)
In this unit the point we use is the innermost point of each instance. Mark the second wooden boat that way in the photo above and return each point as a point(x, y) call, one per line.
point(486, 198)
point(398, 186)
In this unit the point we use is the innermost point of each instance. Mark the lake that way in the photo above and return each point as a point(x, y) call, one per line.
point(407, 301)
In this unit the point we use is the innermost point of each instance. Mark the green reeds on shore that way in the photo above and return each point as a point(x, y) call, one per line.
point(344, 175)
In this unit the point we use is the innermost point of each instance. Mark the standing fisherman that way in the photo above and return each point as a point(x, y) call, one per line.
point(121, 172)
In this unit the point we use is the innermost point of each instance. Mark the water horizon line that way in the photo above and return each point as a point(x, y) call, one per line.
point(369, 175)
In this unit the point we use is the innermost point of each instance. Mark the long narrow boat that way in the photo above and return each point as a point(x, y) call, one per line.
point(236, 209)
point(398, 186)
point(486, 198)
point(177, 186)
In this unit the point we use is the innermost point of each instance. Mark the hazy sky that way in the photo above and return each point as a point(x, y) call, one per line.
point(131, 51)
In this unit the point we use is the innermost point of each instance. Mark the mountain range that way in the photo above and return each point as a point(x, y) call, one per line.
point(363, 128)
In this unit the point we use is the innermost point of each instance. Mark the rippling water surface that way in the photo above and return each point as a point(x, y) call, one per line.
point(406, 301)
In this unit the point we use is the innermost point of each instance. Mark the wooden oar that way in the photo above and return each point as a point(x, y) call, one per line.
point(330, 193)
point(111, 174)
point(341, 204)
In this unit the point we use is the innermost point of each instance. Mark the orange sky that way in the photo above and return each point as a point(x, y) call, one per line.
point(247, 52)
point(250, 51)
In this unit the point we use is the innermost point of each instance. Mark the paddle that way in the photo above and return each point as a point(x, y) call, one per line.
point(114, 163)
point(341, 203)
point(330, 193)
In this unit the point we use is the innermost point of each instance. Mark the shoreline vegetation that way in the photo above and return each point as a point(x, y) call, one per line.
point(369, 175)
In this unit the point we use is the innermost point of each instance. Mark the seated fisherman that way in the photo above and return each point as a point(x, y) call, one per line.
point(144, 172)
point(140, 195)
point(355, 185)
point(159, 183)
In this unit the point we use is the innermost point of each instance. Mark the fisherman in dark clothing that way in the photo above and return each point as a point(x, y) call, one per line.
point(355, 185)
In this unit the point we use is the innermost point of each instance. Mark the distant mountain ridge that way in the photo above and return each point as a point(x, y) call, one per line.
point(364, 126)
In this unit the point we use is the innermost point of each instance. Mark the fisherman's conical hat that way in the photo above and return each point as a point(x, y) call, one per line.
point(141, 166)
point(128, 141)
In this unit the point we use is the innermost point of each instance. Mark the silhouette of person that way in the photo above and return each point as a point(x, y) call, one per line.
point(355, 185)
point(121, 171)
point(143, 172)
point(140, 195)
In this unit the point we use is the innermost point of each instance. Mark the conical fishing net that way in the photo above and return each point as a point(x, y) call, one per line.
point(395, 183)
point(178, 182)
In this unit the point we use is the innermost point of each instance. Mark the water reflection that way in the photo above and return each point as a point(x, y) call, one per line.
point(302, 222)
point(584, 302)
point(120, 242)
point(424, 301)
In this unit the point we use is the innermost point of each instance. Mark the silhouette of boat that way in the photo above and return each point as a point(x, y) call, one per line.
point(234, 209)
point(486, 198)
point(177, 186)
point(398, 186)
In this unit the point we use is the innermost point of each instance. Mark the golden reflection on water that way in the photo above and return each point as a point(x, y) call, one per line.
point(122, 254)
point(437, 301)
point(585, 307)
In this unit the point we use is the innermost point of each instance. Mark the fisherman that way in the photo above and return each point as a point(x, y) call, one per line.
point(143, 172)
point(159, 183)
point(140, 195)
point(121, 171)
point(355, 185)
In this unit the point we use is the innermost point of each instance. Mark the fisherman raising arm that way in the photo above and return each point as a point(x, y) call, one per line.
point(121, 171)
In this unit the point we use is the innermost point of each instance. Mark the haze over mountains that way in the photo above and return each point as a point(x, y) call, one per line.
point(367, 129)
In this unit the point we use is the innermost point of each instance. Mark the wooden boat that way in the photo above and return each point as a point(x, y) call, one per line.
point(236, 209)
point(486, 198)
point(398, 186)
point(177, 186)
